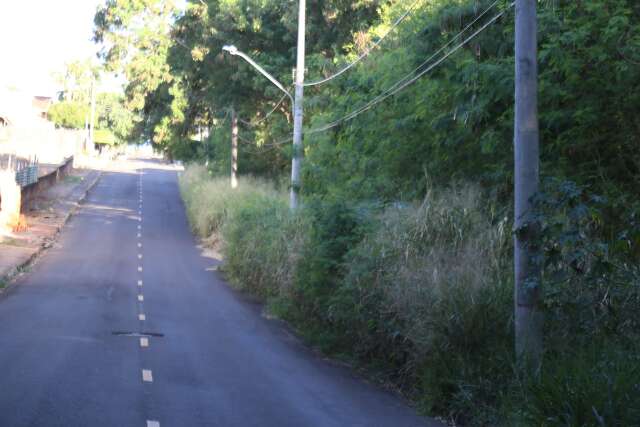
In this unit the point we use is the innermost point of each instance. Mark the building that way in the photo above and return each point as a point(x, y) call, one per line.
point(41, 105)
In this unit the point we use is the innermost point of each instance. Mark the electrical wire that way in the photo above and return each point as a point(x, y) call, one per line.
point(269, 144)
point(410, 78)
point(368, 51)
point(266, 116)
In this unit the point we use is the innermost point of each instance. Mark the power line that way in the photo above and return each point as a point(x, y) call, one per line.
point(266, 116)
point(269, 144)
point(368, 51)
point(408, 79)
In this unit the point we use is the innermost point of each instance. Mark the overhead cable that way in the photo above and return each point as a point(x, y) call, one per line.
point(411, 78)
point(368, 51)
point(267, 115)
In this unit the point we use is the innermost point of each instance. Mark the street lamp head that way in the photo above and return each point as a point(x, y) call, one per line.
point(230, 48)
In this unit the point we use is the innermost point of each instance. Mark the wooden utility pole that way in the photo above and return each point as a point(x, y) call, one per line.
point(234, 149)
point(528, 315)
point(296, 163)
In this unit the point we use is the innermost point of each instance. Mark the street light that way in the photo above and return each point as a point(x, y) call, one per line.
point(232, 50)
point(296, 105)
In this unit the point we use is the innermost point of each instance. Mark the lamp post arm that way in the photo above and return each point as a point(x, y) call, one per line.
point(265, 73)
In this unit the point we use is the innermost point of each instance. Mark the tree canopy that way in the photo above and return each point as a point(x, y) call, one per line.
point(455, 122)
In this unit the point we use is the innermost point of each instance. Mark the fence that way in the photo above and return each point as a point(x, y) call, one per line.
point(26, 170)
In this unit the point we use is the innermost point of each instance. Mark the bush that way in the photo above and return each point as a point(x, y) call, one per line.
point(69, 114)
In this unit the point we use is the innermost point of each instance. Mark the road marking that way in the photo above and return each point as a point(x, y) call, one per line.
point(139, 282)
point(139, 256)
point(139, 268)
point(139, 245)
point(140, 298)
point(142, 317)
point(144, 342)
point(147, 376)
point(139, 227)
point(139, 235)
point(153, 424)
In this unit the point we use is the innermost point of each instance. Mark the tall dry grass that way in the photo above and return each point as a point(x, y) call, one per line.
point(251, 225)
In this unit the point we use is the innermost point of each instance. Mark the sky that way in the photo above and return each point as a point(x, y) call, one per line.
point(39, 36)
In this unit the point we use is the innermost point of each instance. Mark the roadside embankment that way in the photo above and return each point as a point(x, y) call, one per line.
point(420, 296)
point(416, 294)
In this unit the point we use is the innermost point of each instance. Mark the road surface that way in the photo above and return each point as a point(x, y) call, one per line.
point(125, 323)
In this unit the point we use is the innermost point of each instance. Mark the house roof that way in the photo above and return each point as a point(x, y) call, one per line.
point(41, 103)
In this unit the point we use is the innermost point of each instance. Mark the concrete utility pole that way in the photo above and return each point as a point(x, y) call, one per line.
point(528, 316)
point(234, 149)
point(296, 163)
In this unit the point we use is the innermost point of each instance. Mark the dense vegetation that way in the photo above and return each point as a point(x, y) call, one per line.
point(400, 259)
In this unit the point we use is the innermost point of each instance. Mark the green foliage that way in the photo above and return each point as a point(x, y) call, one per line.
point(594, 386)
point(69, 114)
point(76, 81)
point(591, 280)
point(113, 117)
point(141, 27)
point(104, 136)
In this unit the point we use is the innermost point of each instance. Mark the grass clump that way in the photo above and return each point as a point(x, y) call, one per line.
point(251, 224)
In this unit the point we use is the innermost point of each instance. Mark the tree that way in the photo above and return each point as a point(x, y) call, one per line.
point(134, 35)
point(69, 114)
point(114, 116)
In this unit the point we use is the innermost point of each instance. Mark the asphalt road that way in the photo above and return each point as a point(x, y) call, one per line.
point(125, 323)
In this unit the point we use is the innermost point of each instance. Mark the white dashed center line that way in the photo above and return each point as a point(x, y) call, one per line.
point(147, 375)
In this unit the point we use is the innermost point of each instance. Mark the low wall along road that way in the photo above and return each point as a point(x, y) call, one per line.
point(19, 188)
